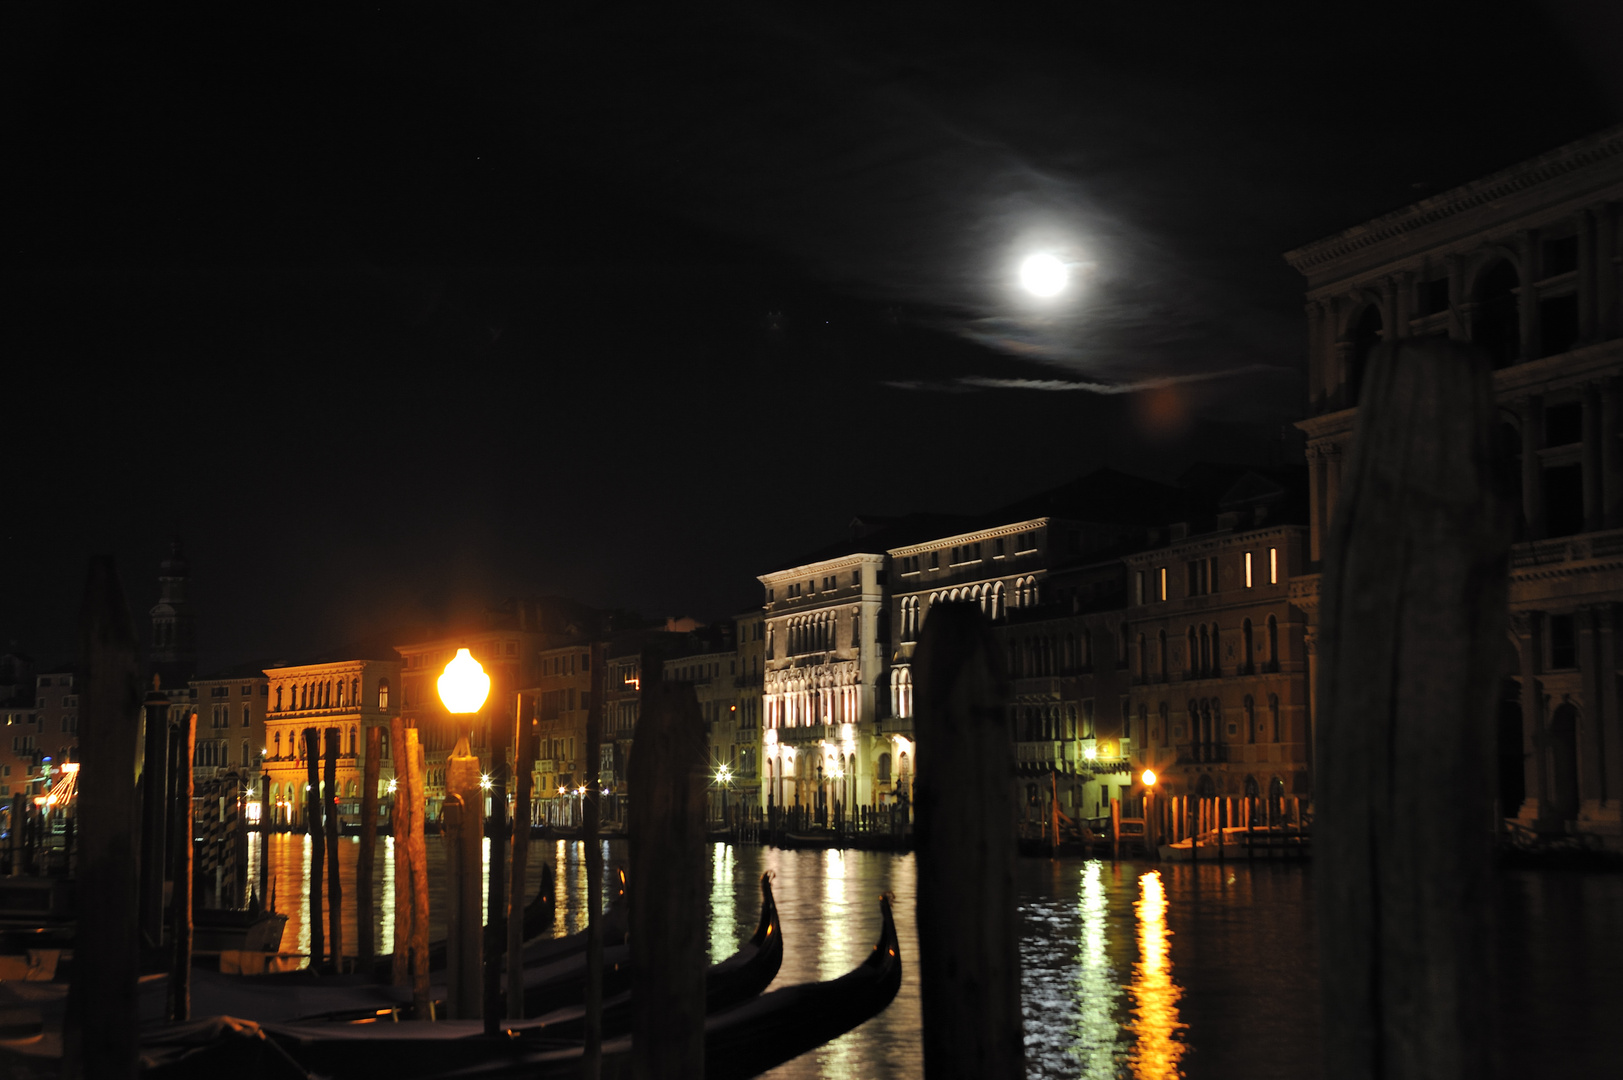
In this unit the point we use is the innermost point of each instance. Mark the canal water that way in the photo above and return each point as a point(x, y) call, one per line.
point(1130, 969)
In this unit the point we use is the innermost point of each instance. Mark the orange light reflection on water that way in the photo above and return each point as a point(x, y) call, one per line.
point(1157, 1048)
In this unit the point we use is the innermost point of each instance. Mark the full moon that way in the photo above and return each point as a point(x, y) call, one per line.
point(1043, 275)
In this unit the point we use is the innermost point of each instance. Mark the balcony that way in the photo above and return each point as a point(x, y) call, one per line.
point(808, 733)
point(1202, 753)
point(547, 766)
point(1046, 754)
point(894, 725)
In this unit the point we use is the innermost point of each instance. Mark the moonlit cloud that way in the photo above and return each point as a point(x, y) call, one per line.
point(969, 383)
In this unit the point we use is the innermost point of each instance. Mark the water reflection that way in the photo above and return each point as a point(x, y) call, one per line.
point(1155, 995)
point(723, 921)
point(1095, 1034)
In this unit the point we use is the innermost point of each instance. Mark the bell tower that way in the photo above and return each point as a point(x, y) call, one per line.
point(174, 630)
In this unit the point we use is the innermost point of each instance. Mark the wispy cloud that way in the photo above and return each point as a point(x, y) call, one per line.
point(969, 383)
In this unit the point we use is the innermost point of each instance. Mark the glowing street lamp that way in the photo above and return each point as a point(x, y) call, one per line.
point(1148, 778)
point(464, 685)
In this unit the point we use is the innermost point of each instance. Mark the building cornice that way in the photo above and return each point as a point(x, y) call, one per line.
point(795, 573)
point(973, 535)
point(1597, 149)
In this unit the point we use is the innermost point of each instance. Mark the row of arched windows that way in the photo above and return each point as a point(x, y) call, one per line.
point(1204, 659)
point(812, 633)
point(348, 743)
point(329, 694)
point(217, 753)
point(1050, 655)
point(1035, 723)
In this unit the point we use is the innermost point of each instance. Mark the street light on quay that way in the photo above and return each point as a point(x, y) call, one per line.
point(463, 688)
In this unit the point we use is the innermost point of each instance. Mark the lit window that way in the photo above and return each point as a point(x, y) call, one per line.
point(1273, 566)
point(1248, 570)
point(1162, 583)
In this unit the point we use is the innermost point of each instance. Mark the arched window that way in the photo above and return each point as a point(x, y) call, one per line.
point(1273, 643)
point(1496, 323)
point(278, 699)
point(1166, 726)
point(1204, 665)
point(383, 695)
point(1250, 719)
point(1143, 663)
point(1366, 334)
point(247, 755)
point(997, 601)
point(884, 769)
point(278, 744)
point(1247, 649)
point(1121, 657)
point(1163, 658)
point(1273, 715)
point(1217, 654)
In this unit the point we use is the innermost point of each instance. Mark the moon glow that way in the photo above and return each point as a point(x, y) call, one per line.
point(1043, 275)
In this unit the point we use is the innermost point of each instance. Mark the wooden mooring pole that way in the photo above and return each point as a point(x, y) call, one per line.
point(592, 1063)
point(969, 942)
point(180, 971)
point(496, 893)
point(366, 910)
point(524, 752)
point(668, 902)
point(318, 844)
point(99, 1035)
point(335, 884)
point(400, 822)
point(422, 1004)
point(1414, 600)
point(154, 812)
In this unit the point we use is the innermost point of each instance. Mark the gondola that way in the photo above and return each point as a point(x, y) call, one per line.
point(555, 993)
point(743, 1041)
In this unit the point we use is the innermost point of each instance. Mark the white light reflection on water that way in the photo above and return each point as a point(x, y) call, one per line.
point(832, 961)
point(1158, 1046)
point(386, 918)
point(723, 924)
point(1095, 1035)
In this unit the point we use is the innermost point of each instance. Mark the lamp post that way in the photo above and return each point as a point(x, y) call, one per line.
point(724, 778)
point(1151, 833)
point(463, 688)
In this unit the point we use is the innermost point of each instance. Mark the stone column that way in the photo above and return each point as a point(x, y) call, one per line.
point(1315, 496)
point(1457, 327)
point(1589, 715)
point(1608, 728)
point(1532, 409)
point(1535, 805)
point(1341, 393)
point(1527, 299)
point(1606, 284)
point(1397, 322)
point(1315, 357)
point(1332, 485)
point(1585, 223)
point(1594, 502)
point(464, 832)
point(1611, 456)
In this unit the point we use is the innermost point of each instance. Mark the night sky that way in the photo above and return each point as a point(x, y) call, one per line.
point(393, 312)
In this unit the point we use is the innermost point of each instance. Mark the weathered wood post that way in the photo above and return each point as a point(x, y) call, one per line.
point(462, 834)
point(524, 749)
point(154, 811)
point(422, 1005)
point(1115, 826)
point(1414, 601)
point(335, 884)
point(668, 912)
point(99, 1038)
point(400, 822)
point(318, 844)
point(180, 995)
point(496, 898)
point(969, 943)
point(266, 815)
point(366, 912)
point(592, 1058)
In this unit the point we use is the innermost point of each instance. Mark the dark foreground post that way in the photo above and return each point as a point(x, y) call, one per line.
point(335, 885)
point(969, 943)
point(180, 973)
point(592, 1058)
point(154, 836)
point(463, 988)
point(496, 898)
point(318, 846)
point(366, 914)
point(524, 749)
point(418, 848)
point(1414, 598)
point(99, 1032)
point(400, 820)
point(667, 781)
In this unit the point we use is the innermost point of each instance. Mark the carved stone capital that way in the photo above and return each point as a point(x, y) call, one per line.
point(1521, 623)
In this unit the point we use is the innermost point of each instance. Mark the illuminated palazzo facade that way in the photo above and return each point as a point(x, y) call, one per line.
point(824, 670)
point(351, 695)
point(1524, 263)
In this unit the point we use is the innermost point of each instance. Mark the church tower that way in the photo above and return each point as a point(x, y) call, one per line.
point(174, 630)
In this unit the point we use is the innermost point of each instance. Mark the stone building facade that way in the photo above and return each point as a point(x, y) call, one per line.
point(825, 667)
point(562, 695)
point(231, 707)
point(352, 695)
point(1525, 264)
